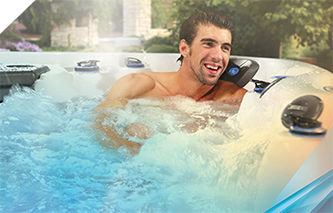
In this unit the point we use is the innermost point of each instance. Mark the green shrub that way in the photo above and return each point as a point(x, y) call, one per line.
point(9, 36)
point(162, 49)
point(157, 40)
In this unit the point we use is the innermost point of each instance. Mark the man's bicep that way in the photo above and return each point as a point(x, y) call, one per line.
point(121, 88)
point(119, 93)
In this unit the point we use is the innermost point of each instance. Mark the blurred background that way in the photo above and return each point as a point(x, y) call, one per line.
point(289, 29)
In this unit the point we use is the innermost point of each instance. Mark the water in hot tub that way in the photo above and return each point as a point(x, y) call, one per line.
point(52, 160)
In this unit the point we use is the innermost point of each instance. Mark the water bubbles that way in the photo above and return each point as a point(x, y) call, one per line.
point(195, 161)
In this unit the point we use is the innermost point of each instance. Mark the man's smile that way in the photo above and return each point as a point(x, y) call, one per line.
point(213, 68)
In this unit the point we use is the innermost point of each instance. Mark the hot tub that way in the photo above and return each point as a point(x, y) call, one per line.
point(46, 141)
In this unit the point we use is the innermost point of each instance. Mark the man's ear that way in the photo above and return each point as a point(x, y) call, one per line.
point(184, 48)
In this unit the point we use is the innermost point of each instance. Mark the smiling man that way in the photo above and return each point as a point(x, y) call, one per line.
point(205, 44)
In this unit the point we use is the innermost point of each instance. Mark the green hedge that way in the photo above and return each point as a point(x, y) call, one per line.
point(156, 48)
point(157, 40)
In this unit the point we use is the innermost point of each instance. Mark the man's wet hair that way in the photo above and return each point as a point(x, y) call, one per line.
point(189, 28)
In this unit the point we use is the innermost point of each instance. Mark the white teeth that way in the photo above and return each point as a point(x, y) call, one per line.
point(211, 67)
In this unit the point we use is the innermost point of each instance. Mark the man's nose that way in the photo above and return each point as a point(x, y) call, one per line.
point(217, 54)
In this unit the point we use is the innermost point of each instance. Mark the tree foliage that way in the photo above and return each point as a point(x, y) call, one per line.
point(262, 25)
point(156, 13)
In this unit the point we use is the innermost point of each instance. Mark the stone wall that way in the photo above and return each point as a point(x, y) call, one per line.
point(136, 23)
point(137, 18)
point(75, 34)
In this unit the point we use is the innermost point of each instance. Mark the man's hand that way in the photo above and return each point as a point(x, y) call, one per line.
point(140, 131)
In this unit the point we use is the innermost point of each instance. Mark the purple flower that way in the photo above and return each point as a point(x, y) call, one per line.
point(4, 50)
point(23, 46)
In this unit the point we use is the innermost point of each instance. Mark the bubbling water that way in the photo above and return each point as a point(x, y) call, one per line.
point(171, 114)
point(194, 162)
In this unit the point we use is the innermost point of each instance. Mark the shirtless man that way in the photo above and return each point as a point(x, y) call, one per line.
point(205, 46)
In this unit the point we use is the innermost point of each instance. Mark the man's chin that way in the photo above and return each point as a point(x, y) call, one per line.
point(211, 82)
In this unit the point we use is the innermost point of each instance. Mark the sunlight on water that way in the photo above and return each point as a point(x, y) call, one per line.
point(196, 162)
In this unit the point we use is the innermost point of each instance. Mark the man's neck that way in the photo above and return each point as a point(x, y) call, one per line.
point(187, 85)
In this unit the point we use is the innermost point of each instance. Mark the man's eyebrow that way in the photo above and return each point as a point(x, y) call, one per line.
point(208, 39)
point(214, 41)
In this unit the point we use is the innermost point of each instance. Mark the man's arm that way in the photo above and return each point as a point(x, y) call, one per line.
point(128, 87)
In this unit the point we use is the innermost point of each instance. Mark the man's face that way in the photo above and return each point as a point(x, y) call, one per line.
point(209, 53)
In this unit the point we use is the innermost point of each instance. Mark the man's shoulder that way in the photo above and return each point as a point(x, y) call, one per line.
point(229, 90)
point(142, 77)
point(148, 79)
point(132, 85)
point(230, 85)
point(136, 80)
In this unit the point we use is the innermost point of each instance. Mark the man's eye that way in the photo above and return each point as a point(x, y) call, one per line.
point(226, 48)
point(208, 44)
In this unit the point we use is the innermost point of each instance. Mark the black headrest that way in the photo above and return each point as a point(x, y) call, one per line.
point(240, 71)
